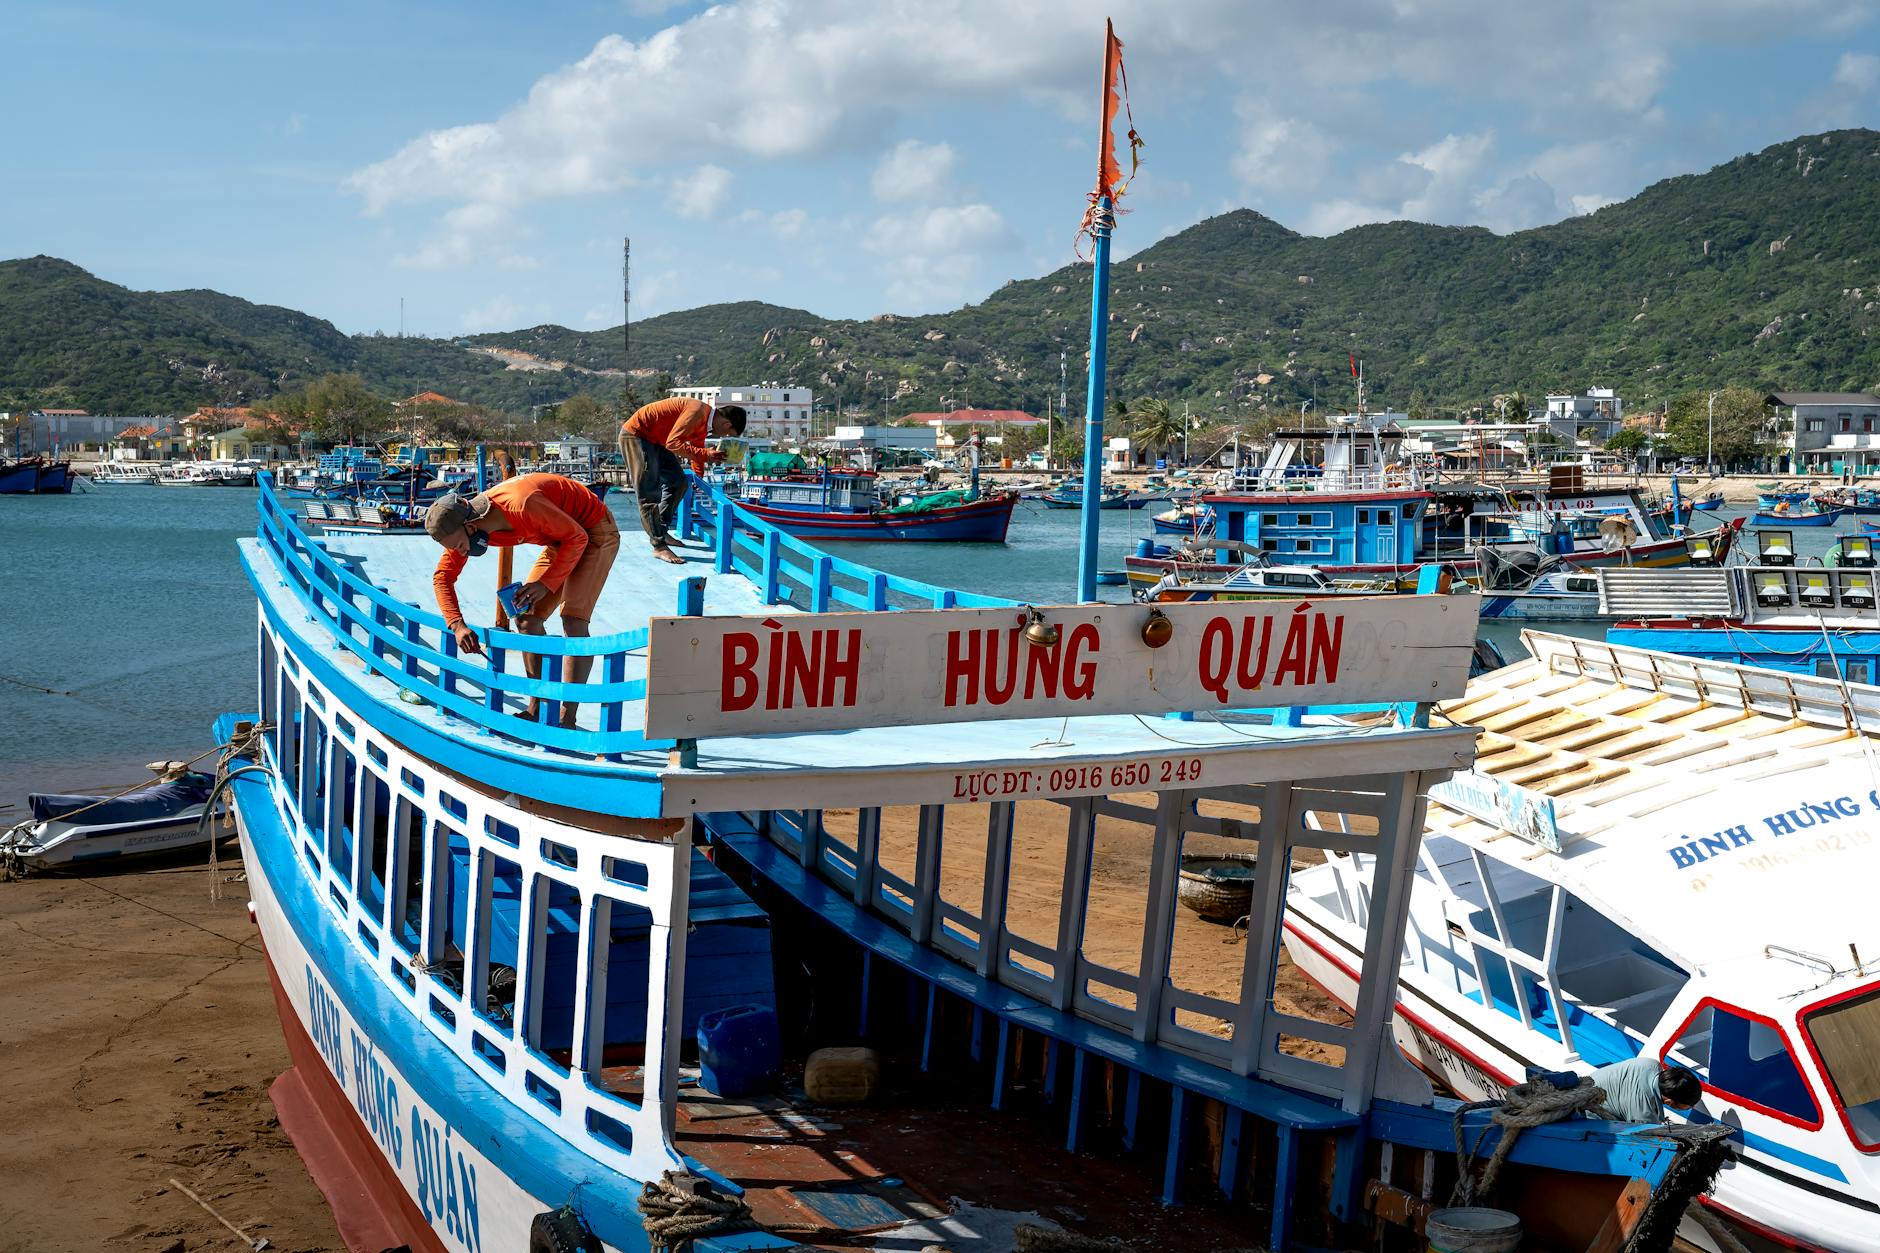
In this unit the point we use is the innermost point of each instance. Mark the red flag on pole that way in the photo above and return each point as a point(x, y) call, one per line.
point(1354, 364)
point(1111, 181)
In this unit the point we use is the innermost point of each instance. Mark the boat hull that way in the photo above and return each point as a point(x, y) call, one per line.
point(980, 522)
point(1825, 518)
point(395, 1148)
point(57, 843)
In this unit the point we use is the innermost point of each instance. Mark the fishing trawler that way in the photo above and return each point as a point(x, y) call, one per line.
point(496, 943)
point(845, 503)
point(1653, 856)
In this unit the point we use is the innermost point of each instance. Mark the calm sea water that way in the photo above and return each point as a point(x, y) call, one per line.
point(131, 599)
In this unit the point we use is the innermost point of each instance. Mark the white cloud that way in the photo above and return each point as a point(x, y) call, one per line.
point(295, 123)
point(470, 234)
point(912, 170)
point(498, 313)
point(1280, 153)
point(935, 256)
point(701, 193)
point(1857, 71)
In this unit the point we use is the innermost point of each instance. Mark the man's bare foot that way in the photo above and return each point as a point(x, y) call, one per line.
point(667, 555)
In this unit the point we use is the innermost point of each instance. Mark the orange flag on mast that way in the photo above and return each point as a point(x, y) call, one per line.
point(1111, 181)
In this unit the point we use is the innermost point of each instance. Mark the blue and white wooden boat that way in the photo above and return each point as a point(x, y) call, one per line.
point(1654, 856)
point(35, 476)
point(491, 938)
point(1815, 620)
point(1782, 515)
point(847, 504)
point(1070, 495)
point(1390, 532)
point(1863, 502)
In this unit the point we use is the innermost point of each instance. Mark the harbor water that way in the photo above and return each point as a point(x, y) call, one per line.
point(129, 604)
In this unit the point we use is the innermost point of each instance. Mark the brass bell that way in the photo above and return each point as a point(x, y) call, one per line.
point(1157, 630)
point(1039, 633)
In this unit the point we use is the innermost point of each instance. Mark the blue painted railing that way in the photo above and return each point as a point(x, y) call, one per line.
point(412, 648)
point(788, 570)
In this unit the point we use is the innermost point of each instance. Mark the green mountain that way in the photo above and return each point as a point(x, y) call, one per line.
point(1762, 272)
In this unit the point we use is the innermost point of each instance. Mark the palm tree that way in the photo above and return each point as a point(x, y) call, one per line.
point(1157, 427)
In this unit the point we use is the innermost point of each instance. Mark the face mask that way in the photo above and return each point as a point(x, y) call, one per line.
point(479, 542)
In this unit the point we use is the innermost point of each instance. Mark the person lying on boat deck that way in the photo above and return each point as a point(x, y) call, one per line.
point(579, 541)
point(651, 443)
point(1639, 1089)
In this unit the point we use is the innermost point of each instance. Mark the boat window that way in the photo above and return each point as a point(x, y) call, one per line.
point(1825, 668)
point(1364, 517)
point(376, 820)
point(341, 822)
point(1582, 584)
point(1269, 519)
point(1302, 545)
point(499, 889)
point(1844, 1036)
point(1383, 517)
point(553, 950)
point(1746, 1060)
point(1859, 670)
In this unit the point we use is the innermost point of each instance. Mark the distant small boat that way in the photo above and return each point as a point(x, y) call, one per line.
point(162, 816)
point(1797, 517)
point(1710, 503)
point(1071, 496)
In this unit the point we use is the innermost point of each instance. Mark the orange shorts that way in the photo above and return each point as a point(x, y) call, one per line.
point(578, 595)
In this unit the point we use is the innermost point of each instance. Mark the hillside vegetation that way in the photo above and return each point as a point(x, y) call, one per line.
point(1760, 273)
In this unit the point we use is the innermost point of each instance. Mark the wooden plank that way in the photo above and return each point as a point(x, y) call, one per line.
point(1623, 1218)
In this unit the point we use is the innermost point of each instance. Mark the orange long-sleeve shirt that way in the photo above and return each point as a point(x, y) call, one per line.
point(546, 509)
point(678, 424)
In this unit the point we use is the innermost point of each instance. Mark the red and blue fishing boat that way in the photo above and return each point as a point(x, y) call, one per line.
point(850, 504)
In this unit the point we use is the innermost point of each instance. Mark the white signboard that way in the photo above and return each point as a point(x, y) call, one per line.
point(713, 676)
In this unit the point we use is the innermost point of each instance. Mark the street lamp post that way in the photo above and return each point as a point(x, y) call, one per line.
point(1710, 435)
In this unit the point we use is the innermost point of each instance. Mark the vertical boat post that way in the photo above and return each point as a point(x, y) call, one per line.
point(1102, 218)
point(1099, 221)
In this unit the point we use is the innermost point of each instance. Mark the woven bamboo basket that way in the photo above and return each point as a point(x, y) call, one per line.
point(1219, 888)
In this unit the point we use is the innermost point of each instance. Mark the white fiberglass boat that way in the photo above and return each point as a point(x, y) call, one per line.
point(1662, 857)
point(163, 816)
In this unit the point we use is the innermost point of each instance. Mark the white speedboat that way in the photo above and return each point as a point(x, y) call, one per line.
point(162, 816)
point(1654, 856)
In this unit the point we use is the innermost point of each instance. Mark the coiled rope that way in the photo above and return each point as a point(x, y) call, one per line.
point(679, 1207)
point(1532, 1104)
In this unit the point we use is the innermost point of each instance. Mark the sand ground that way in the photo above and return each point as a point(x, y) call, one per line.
point(138, 1038)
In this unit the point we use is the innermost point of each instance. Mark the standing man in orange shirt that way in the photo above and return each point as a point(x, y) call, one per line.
point(653, 440)
point(579, 541)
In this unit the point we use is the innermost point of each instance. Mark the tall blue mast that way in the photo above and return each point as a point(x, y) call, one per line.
point(1101, 222)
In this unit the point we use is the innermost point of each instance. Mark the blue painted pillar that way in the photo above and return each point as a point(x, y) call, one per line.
point(483, 470)
point(1093, 401)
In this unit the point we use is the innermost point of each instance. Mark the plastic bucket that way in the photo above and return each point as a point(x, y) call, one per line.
point(738, 1049)
point(1472, 1229)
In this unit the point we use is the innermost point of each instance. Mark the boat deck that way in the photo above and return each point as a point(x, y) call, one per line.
point(782, 770)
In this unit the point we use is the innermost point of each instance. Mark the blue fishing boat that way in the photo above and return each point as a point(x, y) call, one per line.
point(1785, 515)
point(1070, 495)
point(1708, 504)
point(1856, 501)
point(847, 504)
point(496, 943)
point(1184, 519)
point(35, 476)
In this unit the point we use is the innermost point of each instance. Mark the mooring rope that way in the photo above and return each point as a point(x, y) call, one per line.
point(1525, 1105)
point(679, 1207)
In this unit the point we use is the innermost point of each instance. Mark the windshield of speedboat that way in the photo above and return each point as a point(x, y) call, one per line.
point(1845, 1036)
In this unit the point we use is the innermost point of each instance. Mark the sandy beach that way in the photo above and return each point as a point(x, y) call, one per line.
point(139, 1040)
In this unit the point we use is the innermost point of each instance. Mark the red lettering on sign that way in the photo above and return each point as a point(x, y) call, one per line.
point(999, 684)
point(1292, 654)
point(1080, 677)
point(738, 689)
point(802, 659)
point(840, 667)
point(1251, 674)
point(1328, 636)
point(963, 652)
point(1041, 671)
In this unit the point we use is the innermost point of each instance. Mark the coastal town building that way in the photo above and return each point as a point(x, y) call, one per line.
point(1828, 432)
point(775, 411)
point(49, 431)
point(577, 448)
point(244, 443)
point(1594, 415)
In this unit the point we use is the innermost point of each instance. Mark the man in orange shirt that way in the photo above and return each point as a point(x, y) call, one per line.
point(579, 542)
point(653, 440)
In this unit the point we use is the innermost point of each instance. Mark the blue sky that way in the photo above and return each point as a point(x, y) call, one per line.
point(483, 161)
